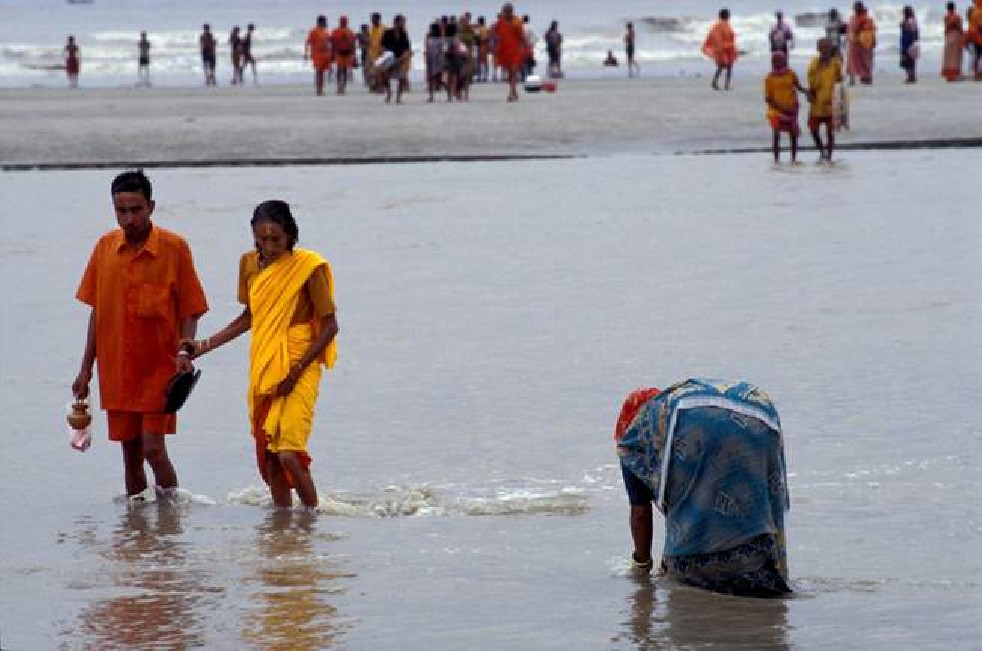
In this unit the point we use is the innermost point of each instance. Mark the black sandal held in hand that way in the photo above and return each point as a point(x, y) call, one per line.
point(178, 389)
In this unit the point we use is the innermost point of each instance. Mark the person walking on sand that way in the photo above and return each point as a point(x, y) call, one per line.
point(781, 88)
point(630, 37)
point(363, 52)
point(511, 50)
point(554, 50)
point(235, 51)
point(247, 58)
point(835, 29)
point(375, 33)
point(288, 299)
point(343, 44)
point(143, 61)
point(72, 63)
point(208, 46)
point(973, 39)
point(531, 40)
point(710, 456)
point(434, 49)
point(483, 49)
point(145, 298)
point(824, 73)
point(395, 42)
point(862, 42)
point(954, 37)
point(317, 48)
point(720, 45)
point(910, 45)
point(781, 37)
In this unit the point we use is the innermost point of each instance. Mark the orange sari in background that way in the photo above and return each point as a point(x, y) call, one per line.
point(951, 60)
point(720, 44)
point(862, 42)
point(510, 52)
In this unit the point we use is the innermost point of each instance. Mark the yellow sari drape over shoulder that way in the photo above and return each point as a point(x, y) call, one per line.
point(286, 422)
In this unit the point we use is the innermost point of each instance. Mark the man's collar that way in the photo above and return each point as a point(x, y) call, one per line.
point(151, 245)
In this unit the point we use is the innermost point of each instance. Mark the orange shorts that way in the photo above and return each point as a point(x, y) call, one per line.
point(128, 425)
point(322, 64)
point(815, 120)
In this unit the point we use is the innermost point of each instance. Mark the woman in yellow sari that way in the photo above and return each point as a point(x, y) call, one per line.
point(288, 294)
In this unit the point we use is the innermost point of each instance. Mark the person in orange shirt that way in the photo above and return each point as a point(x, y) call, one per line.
point(720, 45)
point(511, 49)
point(781, 94)
point(317, 48)
point(343, 45)
point(146, 298)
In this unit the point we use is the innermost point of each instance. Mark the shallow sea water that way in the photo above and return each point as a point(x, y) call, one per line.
point(493, 315)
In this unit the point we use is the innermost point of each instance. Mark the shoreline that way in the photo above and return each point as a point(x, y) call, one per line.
point(900, 145)
point(288, 125)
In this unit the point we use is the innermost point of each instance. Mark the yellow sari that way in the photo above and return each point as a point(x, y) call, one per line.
point(283, 423)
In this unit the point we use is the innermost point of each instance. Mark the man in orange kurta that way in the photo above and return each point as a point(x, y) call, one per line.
point(343, 43)
point(317, 48)
point(146, 298)
point(510, 51)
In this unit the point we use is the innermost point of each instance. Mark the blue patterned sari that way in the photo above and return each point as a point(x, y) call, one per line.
point(722, 488)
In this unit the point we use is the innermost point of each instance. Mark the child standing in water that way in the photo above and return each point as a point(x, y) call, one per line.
point(824, 72)
point(781, 94)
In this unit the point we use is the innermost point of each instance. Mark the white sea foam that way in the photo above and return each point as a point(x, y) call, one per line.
point(532, 498)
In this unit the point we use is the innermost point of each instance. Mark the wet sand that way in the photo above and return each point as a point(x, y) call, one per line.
point(289, 125)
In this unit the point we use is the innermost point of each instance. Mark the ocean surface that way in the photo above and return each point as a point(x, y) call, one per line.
point(493, 316)
point(670, 33)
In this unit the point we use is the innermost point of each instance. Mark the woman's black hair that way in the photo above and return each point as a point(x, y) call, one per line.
point(277, 212)
point(724, 14)
point(135, 181)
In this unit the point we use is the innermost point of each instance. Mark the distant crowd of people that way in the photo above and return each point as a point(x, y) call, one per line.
point(459, 51)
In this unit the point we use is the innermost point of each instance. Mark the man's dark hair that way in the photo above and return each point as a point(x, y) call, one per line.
point(277, 212)
point(132, 182)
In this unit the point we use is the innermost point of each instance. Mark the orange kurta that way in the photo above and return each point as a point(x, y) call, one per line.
point(510, 51)
point(343, 45)
point(720, 44)
point(974, 33)
point(319, 42)
point(139, 298)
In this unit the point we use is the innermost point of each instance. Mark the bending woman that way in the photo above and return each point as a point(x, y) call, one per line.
point(288, 295)
point(710, 455)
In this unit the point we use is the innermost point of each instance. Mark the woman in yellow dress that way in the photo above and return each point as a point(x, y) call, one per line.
point(288, 294)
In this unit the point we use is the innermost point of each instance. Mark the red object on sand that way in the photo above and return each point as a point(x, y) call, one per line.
point(550, 86)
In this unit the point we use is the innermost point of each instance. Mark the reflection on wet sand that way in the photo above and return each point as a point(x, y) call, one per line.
point(292, 586)
point(668, 615)
point(160, 597)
